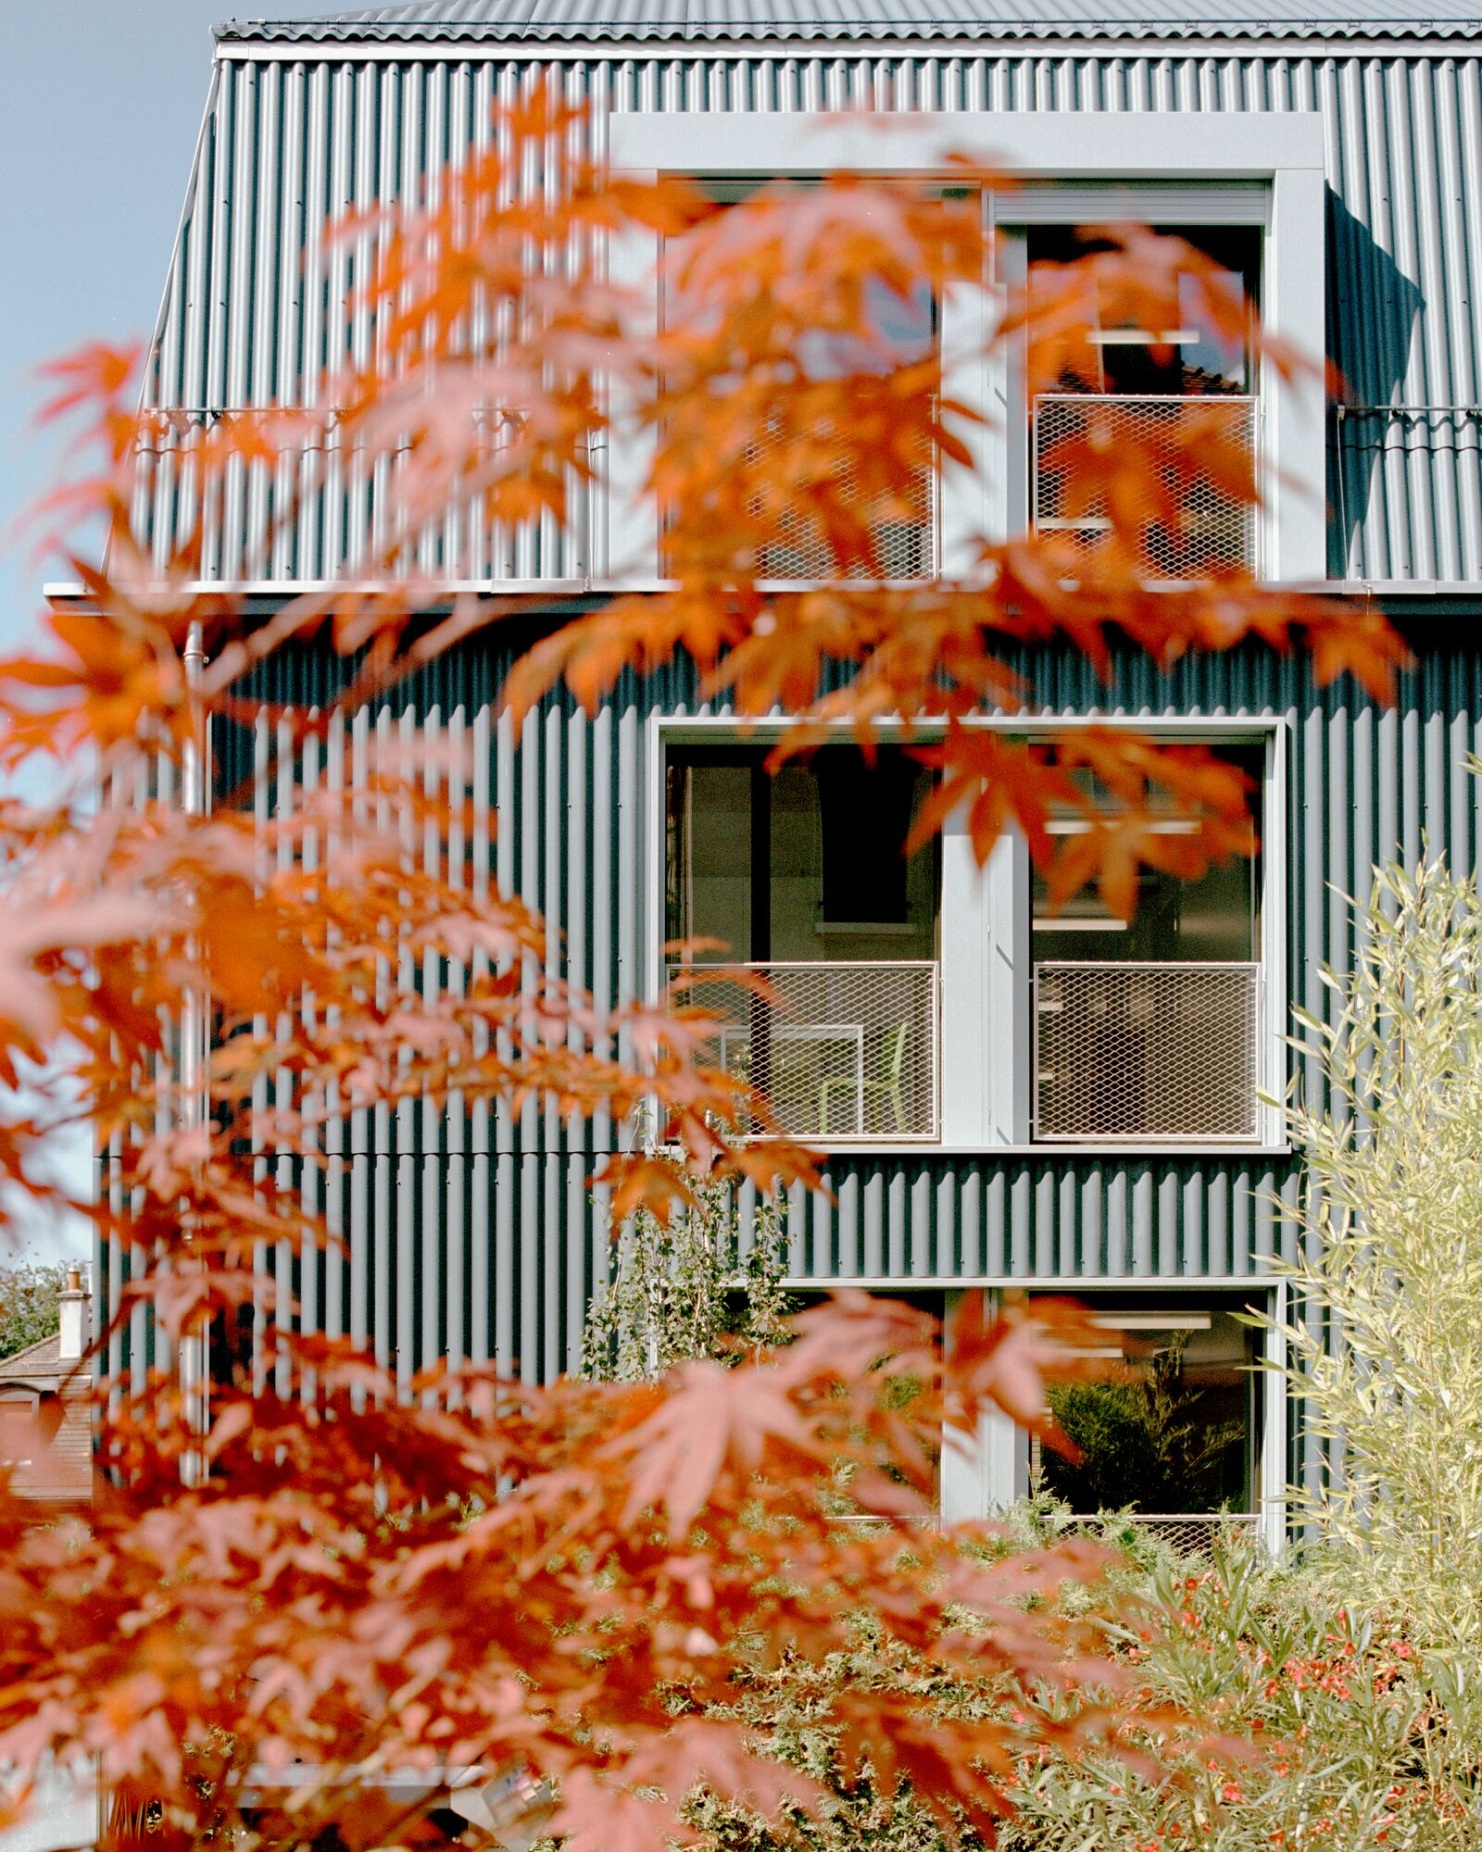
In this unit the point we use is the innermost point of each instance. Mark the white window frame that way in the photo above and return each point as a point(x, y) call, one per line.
point(1126, 165)
point(987, 977)
point(985, 1045)
point(982, 1474)
point(1229, 202)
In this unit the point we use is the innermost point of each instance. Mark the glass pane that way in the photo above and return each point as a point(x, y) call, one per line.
point(1169, 1430)
point(709, 830)
point(1201, 361)
point(804, 866)
point(1212, 920)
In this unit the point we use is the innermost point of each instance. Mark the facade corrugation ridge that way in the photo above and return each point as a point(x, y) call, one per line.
point(256, 309)
point(288, 144)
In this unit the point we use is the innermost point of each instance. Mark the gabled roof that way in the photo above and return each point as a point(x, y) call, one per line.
point(43, 1357)
point(39, 1365)
point(557, 20)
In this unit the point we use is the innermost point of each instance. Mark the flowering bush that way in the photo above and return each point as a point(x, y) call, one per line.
point(1327, 1727)
point(1315, 1726)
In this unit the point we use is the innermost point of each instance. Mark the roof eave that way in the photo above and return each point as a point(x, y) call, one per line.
point(341, 32)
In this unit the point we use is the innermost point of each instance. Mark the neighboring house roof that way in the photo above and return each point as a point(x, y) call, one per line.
point(38, 1364)
point(46, 1423)
point(556, 20)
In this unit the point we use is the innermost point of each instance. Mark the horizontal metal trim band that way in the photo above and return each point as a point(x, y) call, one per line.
point(830, 1154)
point(1132, 1154)
point(1407, 411)
point(70, 592)
point(1055, 1282)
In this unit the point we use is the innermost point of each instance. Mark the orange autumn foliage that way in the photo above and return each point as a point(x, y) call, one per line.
point(329, 1564)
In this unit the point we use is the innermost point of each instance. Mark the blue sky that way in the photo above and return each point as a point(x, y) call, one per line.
point(100, 104)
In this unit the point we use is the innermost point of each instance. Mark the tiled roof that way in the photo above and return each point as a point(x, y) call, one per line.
point(557, 20)
point(37, 1362)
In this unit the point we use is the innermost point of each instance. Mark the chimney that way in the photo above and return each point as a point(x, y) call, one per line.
point(75, 1305)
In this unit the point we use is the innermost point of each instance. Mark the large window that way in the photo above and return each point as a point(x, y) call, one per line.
point(801, 875)
point(1149, 1027)
point(923, 997)
point(1169, 1431)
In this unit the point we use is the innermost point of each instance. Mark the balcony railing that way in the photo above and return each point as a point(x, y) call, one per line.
point(1166, 1052)
point(904, 543)
point(845, 1052)
point(1216, 531)
point(1190, 1533)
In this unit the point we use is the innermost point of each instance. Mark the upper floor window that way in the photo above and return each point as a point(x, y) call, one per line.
point(1193, 382)
point(896, 334)
point(1191, 360)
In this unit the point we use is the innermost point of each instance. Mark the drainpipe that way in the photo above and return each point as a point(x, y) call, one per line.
point(195, 1106)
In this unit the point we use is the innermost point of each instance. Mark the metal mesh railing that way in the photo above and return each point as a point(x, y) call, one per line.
point(1215, 532)
point(1146, 1051)
point(1191, 1533)
point(904, 544)
point(843, 1051)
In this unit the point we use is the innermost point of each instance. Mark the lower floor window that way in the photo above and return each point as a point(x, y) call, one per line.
point(1170, 1430)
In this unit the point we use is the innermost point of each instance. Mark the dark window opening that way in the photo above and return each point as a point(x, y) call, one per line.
point(1170, 1429)
point(808, 864)
point(1201, 361)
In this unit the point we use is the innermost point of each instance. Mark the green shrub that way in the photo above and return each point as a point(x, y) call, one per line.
point(1277, 1719)
point(687, 1290)
point(1143, 1441)
point(1385, 1337)
point(1315, 1726)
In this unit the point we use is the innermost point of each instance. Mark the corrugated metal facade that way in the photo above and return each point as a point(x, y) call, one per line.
point(473, 1234)
point(289, 142)
point(477, 1233)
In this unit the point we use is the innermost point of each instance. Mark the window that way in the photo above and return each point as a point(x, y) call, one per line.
point(1170, 1431)
point(1223, 168)
point(1196, 362)
point(1192, 381)
point(1149, 1028)
point(902, 541)
point(802, 877)
point(924, 998)
point(807, 863)
point(1069, 1026)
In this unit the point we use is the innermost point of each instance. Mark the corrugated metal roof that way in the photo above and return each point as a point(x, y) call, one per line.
point(557, 20)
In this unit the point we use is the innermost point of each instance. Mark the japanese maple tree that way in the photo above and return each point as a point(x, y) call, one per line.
point(304, 1562)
